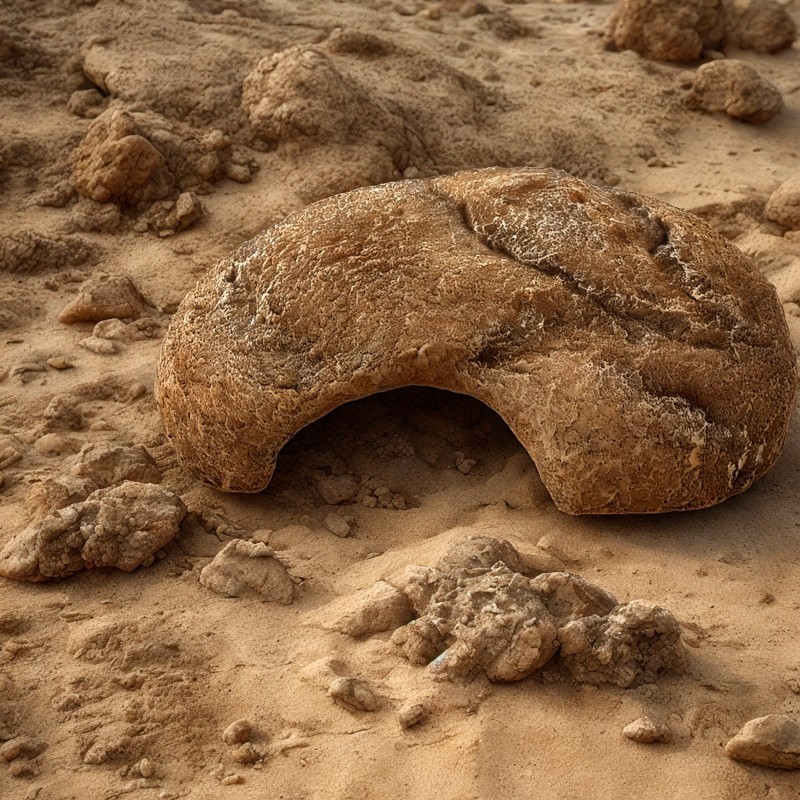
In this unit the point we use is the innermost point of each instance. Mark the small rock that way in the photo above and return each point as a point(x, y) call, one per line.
point(337, 525)
point(352, 693)
point(168, 218)
point(54, 444)
point(104, 296)
point(337, 489)
point(12, 749)
point(109, 464)
point(86, 103)
point(737, 89)
point(772, 741)
point(244, 568)
point(8, 457)
point(102, 347)
point(246, 754)
point(123, 526)
point(145, 768)
point(59, 362)
point(237, 732)
point(134, 331)
point(646, 730)
point(411, 714)
point(232, 780)
point(783, 205)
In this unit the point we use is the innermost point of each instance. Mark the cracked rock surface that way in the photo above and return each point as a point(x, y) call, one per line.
point(641, 360)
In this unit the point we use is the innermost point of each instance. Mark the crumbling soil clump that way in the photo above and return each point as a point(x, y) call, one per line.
point(473, 617)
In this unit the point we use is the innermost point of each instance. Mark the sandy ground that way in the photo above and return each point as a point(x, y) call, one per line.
point(152, 664)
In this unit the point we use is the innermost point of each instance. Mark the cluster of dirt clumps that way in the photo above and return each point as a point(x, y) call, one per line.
point(123, 526)
point(484, 610)
point(153, 166)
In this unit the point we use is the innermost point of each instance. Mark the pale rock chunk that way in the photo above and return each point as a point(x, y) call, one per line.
point(492, 622)
point(337, 489)
point(646, 731)
point(238, 732)
point(249, 569)
point(337, 525)
point(783, 205)
point(107, 464)
point(123, 526)
point(352, 693)
point(736, 89)
point(772, 741)
point(568, 596)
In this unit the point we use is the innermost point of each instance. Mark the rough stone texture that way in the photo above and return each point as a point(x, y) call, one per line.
point(641, 359)
point(123, 526)
point(238, 732)
point(382, 607)
point(634, 644)
point(773, 741)
point(646, 731)
point(337, 489)
point(736, 89)
point(353, 694)
point(248, 569)
point(679, 30)
point(337, 525)
point(568, 596)
point(665, 30)
point(135, 158)
point(49, 495)
point(492, 622)
point(760, 25)
point(478, 617)
point(411, 714)
point(168, 218)
point(103, 296)
point(107, 464)
point(783, 205)
point(481, 553)
point(25, 252)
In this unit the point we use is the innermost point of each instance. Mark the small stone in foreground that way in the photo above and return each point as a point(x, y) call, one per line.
point(104, 296)
point(646, 730)
point(352, 693)
point(248, 569)
point(238, 732)
point(736, 89)
point(411, 714)
point(772, 741)
point(337, 525)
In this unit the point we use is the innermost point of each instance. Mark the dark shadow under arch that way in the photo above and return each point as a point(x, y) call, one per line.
point(388, 432)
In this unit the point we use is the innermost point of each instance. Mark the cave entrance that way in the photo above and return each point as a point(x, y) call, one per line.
point(388, 448)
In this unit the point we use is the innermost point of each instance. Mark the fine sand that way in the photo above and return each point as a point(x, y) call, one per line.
point(104, 669)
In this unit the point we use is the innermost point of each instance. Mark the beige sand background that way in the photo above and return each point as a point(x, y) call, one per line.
point(152, 664)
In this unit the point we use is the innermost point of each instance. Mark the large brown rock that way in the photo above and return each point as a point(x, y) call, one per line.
point(640, 358)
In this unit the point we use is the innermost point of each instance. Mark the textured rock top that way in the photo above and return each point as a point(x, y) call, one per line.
point(641, 359)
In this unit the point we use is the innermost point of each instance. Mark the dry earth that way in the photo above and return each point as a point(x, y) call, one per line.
point(123, 683)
